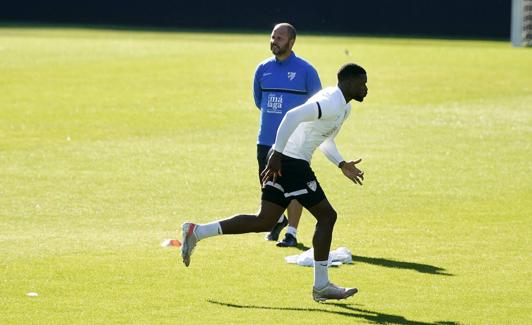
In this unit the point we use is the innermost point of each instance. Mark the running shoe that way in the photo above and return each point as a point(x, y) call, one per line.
point(332, 291)
point(189, 241)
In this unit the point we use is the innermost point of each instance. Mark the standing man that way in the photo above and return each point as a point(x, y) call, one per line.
point(288, 176)
point(281, 83)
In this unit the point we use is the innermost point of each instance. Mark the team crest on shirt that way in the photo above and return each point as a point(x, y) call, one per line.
point(312, 185)
point(291, 75)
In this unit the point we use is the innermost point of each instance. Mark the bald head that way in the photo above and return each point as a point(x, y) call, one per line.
point(288, 28)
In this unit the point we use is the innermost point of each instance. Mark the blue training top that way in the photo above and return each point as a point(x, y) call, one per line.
point(278, 87)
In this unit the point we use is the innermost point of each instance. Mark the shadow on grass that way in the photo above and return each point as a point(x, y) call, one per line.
point(422, 268)
point(345, 310)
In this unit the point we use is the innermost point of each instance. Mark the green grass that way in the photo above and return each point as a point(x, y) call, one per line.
point(109, 140)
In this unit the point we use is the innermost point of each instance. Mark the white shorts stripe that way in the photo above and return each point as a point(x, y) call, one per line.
point(276, 185)
point(295, 193)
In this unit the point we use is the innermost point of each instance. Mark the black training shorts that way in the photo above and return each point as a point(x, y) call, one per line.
point(297, 183)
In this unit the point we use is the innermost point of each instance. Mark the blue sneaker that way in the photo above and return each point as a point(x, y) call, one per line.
point(288, 241)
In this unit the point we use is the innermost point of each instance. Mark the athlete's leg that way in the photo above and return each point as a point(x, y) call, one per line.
point(323, 289)
point(239, 224)
point(293, 212)
point(326, 218)
point(263, 221)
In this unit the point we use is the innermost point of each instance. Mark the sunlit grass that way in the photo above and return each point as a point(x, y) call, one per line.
point(109, 140)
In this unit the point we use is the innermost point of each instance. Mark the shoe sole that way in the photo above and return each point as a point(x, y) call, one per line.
point(322, 299)
point(188, 229)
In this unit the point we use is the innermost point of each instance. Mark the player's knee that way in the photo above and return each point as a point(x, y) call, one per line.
point(269, 223)
point(327, 217)
point(265, 222)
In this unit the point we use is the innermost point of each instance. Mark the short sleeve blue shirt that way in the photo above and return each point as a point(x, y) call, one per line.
point(277, 88)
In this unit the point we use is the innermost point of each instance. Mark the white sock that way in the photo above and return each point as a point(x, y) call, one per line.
point(321, 274)
point(292, 231)
point(208, 230)
point(281, 218)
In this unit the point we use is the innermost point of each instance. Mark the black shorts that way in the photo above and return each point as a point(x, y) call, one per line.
point(297, 183)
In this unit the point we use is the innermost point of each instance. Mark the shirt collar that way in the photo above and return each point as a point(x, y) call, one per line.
point(288, 59)
point(339, 91)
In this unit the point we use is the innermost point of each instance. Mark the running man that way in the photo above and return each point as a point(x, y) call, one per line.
point(281, 83)
point(288, 176)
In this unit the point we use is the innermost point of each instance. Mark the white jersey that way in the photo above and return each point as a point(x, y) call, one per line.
point(312, 125)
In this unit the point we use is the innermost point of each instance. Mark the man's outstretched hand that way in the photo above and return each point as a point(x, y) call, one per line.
point(351, 171)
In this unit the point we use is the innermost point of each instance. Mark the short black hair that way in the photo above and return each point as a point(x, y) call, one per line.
point(291, 29)
point(350, 70)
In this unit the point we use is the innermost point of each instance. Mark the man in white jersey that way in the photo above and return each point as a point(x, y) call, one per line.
point(288, 176)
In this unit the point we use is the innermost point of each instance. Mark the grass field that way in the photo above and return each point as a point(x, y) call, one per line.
point(109, 140)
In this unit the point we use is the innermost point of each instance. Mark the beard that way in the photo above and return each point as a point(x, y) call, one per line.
point(278, 50)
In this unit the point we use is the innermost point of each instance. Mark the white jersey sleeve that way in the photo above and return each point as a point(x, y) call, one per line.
point(329, 149)
point(304, 113)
